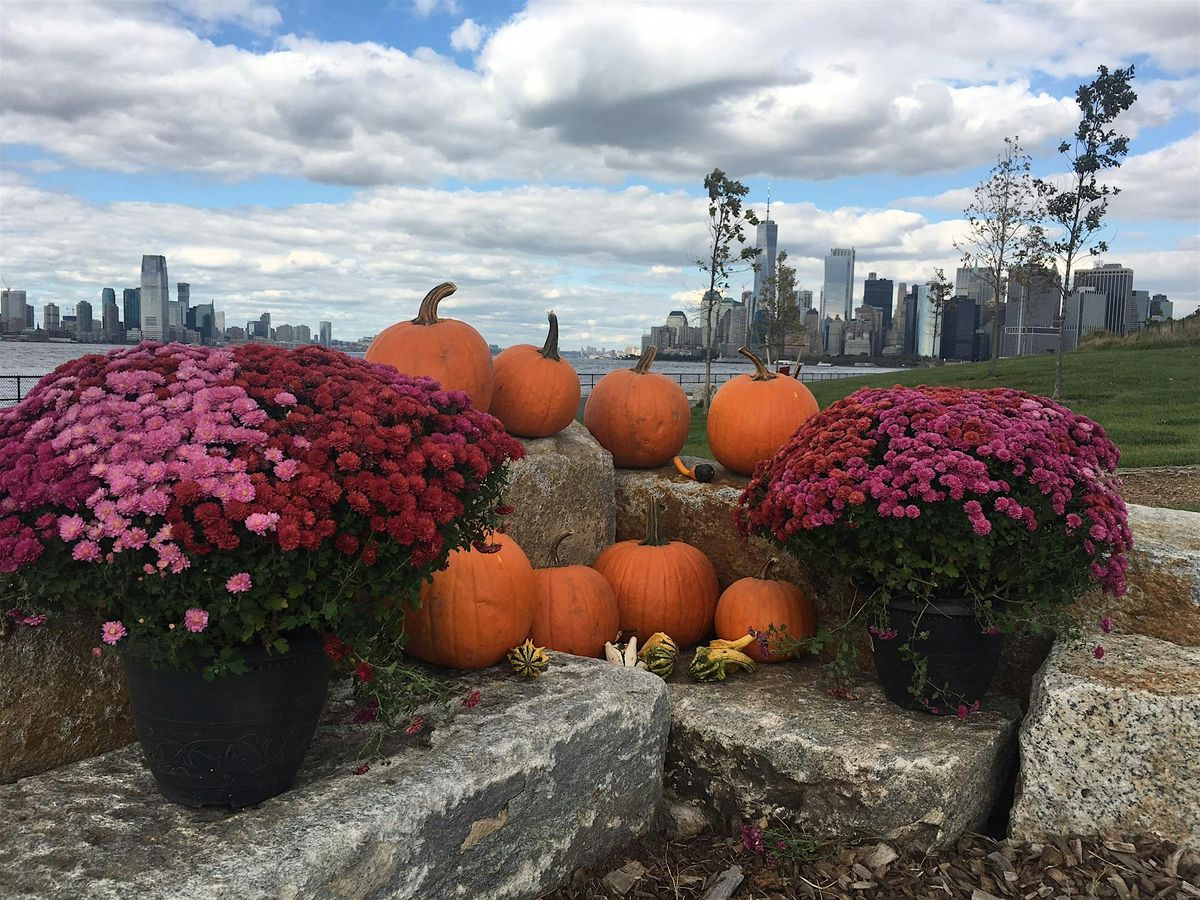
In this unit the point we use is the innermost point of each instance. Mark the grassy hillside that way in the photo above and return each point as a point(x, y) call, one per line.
point(1147, 399)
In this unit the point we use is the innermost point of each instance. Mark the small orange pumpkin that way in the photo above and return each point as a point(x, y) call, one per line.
point(667, 586)
point(752, 416)
point(638, 416)
point(759, 603)
point(449, 351)
point(576, 609)
point(476, 609)
point(536, 391)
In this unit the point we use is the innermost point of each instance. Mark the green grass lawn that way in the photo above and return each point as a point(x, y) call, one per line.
point(1147, 399)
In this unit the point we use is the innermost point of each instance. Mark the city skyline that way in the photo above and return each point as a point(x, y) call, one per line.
point(341, 163)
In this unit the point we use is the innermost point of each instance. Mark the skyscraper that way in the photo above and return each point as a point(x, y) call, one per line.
point(1115, 282)
point(83, 318)
point(877, 292)
point(50, 317)
point(837, 297)
point(12, 311)
point(767, 241)
point(179, 309)
point(326, 334)
point(1085, 314)
point(1139, 305)
point(155, 297)
point(131, 307)
point(804, 300)
point(1031, 310)
point(108, 295)
point(110, 316)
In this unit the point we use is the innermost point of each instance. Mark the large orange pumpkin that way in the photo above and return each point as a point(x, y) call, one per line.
point(752, 416)
point(759, 603)
point(536, 391)
point(449, 351)
point(667, 586)
point(476, 609)
point(638, 416)
point(576, 608)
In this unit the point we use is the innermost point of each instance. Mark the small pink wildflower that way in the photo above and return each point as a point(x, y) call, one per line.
point(1106, 625)
point(261, 523)
point(752, 839)
point(1098, 652)
point(239, 583)
point(962, 711)
point(415, 726)
point(70, 528)
point(34, 621)
point(472, 699)
point(86, 551)
point(283, 398)
point(195, 620)
point(111, 632)
point(287, 470)
point(96, 651)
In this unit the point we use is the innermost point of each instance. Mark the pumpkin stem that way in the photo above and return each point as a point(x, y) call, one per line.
point(762, 373)
point(766, 569)
point(427, 314)
point(653, 537)
point(550, 348)
point(554, 560)
point(643, 364)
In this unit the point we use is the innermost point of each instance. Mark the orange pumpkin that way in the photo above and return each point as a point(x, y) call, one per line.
point(476, 609)
point(759, 603)
point(752, 416)
point(536, 391)
point(449, 351)
point(638, 416)
point(576, 608)
point(667, 586)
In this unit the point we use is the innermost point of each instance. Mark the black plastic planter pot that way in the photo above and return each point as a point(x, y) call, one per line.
point(236, 740)
point(962, 659)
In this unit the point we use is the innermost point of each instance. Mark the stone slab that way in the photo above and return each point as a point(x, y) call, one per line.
point(564, 483)
point(775, 743)
point(58, 703)
point(1112, 745)
point(504, 800)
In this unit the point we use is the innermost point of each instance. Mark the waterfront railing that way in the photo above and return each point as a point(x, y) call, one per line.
point(13, 388)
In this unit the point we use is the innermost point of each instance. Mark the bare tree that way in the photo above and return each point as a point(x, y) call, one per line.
point(1002, 219)
point(941, 299)
point(726, 227)
point(1076, 209)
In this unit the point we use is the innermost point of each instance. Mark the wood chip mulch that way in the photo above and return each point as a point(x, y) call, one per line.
point(976, 868)
point(1177, 487)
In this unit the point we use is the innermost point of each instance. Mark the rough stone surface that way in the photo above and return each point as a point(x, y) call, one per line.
point(58, 704)
point(504, 800)
point(777, 744)
point(1112, 745)
point(564, 483)
point(1163, 596)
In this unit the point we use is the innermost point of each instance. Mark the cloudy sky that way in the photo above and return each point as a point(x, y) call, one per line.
point(334, 160)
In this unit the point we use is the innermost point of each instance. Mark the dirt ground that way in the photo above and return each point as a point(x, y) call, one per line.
point(1176, 487)
point(977, 868)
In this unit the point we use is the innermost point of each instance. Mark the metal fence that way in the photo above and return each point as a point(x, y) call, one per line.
point(13, 388)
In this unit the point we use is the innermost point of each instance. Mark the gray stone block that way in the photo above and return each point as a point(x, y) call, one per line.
point(1112, 745)
point(776, 744)
point(503, 800)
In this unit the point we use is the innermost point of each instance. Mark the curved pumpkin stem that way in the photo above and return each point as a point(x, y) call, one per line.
point(761, 373)
point(653, 532)
point(427, 314)
point(767, 567)
point(643, 364)
point(554, 560)
point(550, 348)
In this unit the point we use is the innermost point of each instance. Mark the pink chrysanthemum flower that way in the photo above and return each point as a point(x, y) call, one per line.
point(239, 583)
point(111, 632)
point(195, 620)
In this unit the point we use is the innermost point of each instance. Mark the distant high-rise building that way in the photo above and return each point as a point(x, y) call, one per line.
point(1139, 305)
point(877, 292)
point(1085, 315)
point(835, 336)
point(1031, 311)
point(110, 317)
point(12, 311)
point(804, 300)
point(812, 331)
point(179, 309)
point(202, 319)
point(326, 334)
point(960, 319)
point(303, 334)
point(83, 318)
point(131, 307)
point(928, 322)
point(284, 333)
point(837, 296)
point(155, 298)
point(1115, 282)
point(50, 317)
point(767, 241)
point(975, 282)
point(1161, 308)
point(108, 295)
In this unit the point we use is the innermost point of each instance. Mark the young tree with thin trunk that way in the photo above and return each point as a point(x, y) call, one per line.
point(941, 299)
point(727, 221)
point(1075, 209)
point(1002, 219)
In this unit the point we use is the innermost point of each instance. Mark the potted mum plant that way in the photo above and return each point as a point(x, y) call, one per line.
point(237, 520)
point(954, 516)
